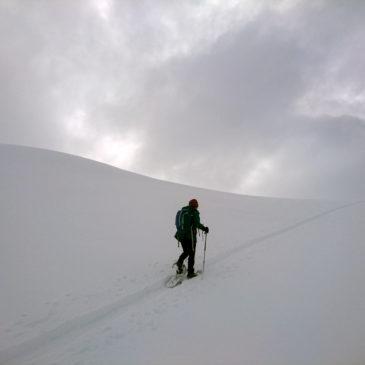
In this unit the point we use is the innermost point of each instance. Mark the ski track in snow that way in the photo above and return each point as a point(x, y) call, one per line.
point(220, 257)
point(78, 325)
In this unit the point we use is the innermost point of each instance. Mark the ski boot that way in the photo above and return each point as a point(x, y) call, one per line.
point(192, 275)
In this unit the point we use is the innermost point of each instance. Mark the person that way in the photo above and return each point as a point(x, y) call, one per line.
point(186, 235)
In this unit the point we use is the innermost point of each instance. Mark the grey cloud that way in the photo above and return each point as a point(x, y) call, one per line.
point(326, 155)
point(232, 107)
point(208, 112)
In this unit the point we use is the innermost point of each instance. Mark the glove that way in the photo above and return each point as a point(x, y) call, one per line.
point(206, 230)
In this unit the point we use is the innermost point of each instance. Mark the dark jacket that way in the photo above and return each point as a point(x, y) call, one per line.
point(191, 223)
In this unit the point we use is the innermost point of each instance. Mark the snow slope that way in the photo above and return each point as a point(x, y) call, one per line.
point(85, 250)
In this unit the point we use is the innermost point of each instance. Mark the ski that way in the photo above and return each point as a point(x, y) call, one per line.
point(178, 279)
point(174, 280)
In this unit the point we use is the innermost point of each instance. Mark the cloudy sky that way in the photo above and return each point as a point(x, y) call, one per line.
point(254, 97)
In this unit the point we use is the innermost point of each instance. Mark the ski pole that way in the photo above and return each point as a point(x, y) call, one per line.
point(205, 248)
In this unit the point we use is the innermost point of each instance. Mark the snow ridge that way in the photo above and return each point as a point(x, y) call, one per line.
point(82, 272)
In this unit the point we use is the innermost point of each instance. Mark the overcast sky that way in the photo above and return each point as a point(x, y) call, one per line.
point(254, 97)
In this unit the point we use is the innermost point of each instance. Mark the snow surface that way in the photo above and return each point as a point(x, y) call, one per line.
point(85, 250)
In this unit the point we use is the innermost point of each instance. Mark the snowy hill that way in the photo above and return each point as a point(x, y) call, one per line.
point(85, 250)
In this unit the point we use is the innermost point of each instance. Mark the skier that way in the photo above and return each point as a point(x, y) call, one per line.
point(186, 235)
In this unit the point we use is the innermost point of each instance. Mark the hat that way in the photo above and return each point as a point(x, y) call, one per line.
point(193, 203)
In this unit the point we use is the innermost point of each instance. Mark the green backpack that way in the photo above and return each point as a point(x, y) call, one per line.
point(183, 222)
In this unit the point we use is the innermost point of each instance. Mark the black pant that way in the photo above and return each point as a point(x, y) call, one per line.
point(188, 251)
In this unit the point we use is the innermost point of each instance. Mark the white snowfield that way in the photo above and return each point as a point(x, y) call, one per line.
point(85, 250)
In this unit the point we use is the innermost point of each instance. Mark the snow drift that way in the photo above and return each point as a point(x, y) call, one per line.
point(85, 249)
